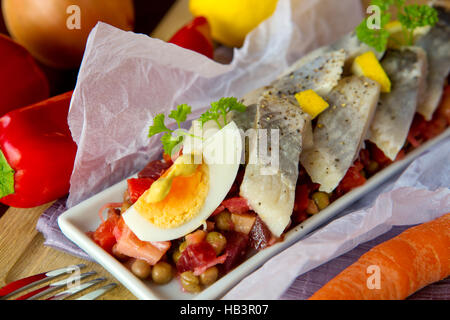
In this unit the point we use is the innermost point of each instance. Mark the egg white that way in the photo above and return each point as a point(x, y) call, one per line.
point(222, 154)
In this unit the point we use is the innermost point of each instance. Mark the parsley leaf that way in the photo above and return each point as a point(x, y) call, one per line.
point(375, 38)
point(220, 109)
point(410, 17)
point(169, 142)
point(180, 113)
point(158, 126)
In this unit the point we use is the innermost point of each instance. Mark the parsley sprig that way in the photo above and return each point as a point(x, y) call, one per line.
point(172, 138)
point(410, 16)
point(220, 109)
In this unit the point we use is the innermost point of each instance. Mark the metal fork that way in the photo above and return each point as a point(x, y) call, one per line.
point(73, 284)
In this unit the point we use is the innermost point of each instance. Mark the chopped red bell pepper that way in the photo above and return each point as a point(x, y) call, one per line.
point(136, 187)
point(37, 153)
point(21, 80)
point(195, 36)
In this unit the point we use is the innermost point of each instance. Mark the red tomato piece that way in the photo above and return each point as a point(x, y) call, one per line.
point(301, 198)
point(154, 169)
point(236, 205)
point(130, 245)
point(352, 179)
point(196, 256)
point(104, 235)
point(136, 187)
point(236, 249)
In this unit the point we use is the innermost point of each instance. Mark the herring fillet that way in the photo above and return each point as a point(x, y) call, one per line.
point(348, 44)
point(271, 194)
point(407, 69)
point(340, 131)
point(437, 45)
point(321, 74)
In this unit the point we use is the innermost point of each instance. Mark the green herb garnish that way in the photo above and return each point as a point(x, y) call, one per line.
point(173, 138)
point(220, 109)
point(410, 16)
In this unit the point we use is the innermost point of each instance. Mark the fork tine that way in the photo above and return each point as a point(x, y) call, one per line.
point(15, 287)
point(33, 295)
point(71, 291)
point(97, 293)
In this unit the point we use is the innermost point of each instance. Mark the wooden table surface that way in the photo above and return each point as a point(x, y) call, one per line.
point(22, 252)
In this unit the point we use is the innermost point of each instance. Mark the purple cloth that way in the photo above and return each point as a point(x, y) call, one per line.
point(48, 226)
point(307, 284)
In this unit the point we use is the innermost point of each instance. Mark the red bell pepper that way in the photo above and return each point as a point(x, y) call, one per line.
point(37, 153)
point(21, 80)
point(195, 36)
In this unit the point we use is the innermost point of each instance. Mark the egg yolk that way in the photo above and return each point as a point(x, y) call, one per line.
point(183, 201)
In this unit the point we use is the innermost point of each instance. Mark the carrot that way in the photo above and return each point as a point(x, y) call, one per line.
point(406, 263)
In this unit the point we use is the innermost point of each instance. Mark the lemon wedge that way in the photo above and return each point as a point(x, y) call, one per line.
point(311, 102)
point(368, 65)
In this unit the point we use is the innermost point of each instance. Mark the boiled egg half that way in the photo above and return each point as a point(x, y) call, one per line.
point(198, 182)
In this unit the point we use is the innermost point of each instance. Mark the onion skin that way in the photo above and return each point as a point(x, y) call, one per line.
point(40, 26)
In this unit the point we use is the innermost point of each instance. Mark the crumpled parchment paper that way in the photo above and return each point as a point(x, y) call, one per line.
point(126, 78)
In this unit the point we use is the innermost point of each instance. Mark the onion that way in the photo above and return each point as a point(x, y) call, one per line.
point(41, 26)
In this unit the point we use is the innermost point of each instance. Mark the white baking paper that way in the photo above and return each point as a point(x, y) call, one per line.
point(420, 194)
point(125, 79)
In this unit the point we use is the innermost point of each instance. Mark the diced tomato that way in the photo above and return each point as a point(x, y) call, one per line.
point(301, 198)
point(444, 108)
point(236, 205)
point(352, 179)
point(218, 260)
point(154, 169)
point(104, 235)
point(195, 237)
point(130, 245)
point(301, 216)
point(236, 249)
point(364, 157)
point(167, 158)
point(196, 255)
point(422, 130)
point(218, 210)
point(234, 190)
point(136, 187)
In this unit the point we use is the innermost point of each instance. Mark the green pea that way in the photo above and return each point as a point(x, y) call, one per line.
point(217, 241)
point(190, 282)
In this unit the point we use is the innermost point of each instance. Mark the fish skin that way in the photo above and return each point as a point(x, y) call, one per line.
point(437, 45)
point(407, 70)
point(272, 190)
point(340, 131)
point(321, 74)
point(271, 194)
point(348, 44)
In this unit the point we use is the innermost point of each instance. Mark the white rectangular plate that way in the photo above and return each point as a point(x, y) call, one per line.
point(82, 218)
